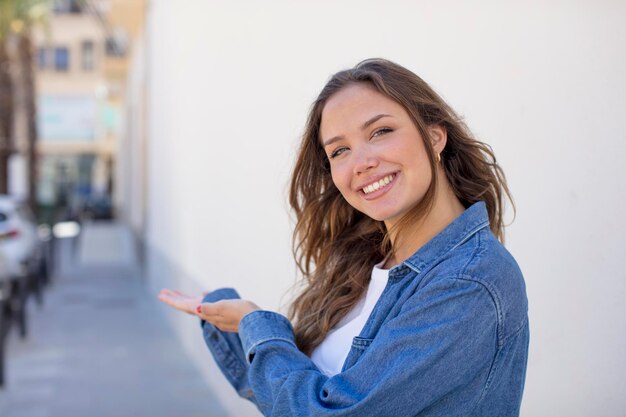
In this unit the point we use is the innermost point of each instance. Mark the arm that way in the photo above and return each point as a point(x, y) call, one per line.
point(226, 347)
point(442, 342)
point(223, 342)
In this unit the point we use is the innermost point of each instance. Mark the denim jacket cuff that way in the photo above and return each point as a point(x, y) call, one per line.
point(219, 294)
point(260, 326)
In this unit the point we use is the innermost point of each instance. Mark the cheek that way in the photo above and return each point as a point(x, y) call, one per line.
point(339, 177)
point(342, 180)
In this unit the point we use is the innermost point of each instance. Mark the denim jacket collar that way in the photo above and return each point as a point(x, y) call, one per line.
point(473, 219)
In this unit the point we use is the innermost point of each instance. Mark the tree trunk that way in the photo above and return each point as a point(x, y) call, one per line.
point(25, 48)
point(6, 116)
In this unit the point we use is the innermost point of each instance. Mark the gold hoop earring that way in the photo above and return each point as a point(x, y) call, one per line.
point(438, 157)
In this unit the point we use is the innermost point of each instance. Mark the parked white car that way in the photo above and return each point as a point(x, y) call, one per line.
point(5, 281)
point(5, 310)
point(22, 252)
point(19, 240)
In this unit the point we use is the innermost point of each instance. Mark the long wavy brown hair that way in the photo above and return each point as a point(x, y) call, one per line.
point(336, 246)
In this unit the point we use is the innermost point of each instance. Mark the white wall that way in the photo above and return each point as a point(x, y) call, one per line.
point(543, 82)
point(131, 183)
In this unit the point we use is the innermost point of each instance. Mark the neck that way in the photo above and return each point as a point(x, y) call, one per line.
point(446, 207)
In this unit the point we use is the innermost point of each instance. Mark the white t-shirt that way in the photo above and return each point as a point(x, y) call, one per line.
point(330, 355)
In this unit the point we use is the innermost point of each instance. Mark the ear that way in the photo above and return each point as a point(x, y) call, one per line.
point(438, 137)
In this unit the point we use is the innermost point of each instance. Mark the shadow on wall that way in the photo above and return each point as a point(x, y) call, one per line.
point(162, 272)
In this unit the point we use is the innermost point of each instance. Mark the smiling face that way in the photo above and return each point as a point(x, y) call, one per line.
point(377, 156)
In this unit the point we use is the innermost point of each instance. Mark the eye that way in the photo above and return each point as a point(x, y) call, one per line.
point(338, 152)
point(382, 131)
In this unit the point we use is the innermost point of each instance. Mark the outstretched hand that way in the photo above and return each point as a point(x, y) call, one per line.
point(180, 301)
point(224, 314)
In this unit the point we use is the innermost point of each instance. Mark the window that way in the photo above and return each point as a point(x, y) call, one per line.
point(88, 56)
point(112, 49)
point(42, 58)
point(61, 59)
point(117, 43)
point(66, 6)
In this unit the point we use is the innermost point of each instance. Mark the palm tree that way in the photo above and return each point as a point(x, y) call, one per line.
point(7, 13)
point(30, 12)
point(17, 18)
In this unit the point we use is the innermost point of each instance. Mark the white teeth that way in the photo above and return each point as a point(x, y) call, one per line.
point(378, 184)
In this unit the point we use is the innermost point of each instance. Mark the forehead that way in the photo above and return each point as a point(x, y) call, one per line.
point(353, 105)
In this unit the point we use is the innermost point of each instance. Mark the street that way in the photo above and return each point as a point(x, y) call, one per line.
point(100, 345)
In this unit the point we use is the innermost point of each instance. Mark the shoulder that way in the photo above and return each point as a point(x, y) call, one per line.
point(485, 262)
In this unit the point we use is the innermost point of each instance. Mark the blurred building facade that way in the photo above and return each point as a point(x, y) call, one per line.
point(81, 67)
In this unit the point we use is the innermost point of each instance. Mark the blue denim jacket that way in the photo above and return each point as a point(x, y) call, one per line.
point(448, 337)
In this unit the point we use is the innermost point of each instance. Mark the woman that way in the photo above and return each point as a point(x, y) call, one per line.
point(412, 306)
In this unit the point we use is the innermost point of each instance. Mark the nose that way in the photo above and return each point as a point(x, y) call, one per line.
point(364, 160)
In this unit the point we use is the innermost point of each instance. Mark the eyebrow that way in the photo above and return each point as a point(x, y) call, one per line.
point(367, 124)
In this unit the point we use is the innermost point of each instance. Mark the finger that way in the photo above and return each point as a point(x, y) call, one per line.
point(208, 310)
point(175, 301)
point(164, 295)
point(169, 300)
point(169, 292)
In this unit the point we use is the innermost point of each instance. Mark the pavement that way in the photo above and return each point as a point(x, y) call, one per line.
point(100, 344)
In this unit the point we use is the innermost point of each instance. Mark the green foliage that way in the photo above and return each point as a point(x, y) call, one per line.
point(7, 13)
point(16, 15)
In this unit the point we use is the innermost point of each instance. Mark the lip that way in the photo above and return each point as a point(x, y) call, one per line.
point(375, 194)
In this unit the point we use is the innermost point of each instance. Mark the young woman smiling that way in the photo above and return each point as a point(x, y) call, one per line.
point(412, 306)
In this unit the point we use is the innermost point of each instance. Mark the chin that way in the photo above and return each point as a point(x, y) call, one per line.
point(378, 216)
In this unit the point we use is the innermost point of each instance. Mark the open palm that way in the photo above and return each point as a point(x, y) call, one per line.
point(180, 301)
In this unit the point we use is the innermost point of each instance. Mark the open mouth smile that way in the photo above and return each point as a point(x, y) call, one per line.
point(377, 187)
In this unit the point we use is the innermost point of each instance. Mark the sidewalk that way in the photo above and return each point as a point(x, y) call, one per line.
point(99, 345)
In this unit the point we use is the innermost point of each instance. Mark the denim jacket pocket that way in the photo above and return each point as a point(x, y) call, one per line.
point(359, 345)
